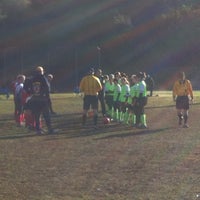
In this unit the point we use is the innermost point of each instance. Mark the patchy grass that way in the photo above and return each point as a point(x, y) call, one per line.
point(115, 162)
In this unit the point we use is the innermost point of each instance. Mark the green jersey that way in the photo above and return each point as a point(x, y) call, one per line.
point(109, 88)
point(134, 90)
point(142, 89)
point(117, 91)
point(125, 92)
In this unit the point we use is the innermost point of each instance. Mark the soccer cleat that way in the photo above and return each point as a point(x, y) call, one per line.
point(185, 126)
point(39, 132)
point(52, 131)
point(142, 126)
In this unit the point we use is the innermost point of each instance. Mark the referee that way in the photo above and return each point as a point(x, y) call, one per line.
point(182, 94)
point(90, 85)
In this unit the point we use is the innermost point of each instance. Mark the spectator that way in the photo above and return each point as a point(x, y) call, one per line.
point(150, 84)
point(38, 102)
point(49, 79)
point(101, 94)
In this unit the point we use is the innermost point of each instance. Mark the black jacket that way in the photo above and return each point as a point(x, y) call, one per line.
point(37, 85)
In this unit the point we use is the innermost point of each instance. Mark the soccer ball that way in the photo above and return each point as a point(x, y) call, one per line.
point(106, 120)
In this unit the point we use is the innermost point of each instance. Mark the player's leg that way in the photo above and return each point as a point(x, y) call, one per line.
point(37, 121)
point(180, 116)
point(143, 117)
point(94, 104)
point(86, 106)
point(186, 111)
point(179, 109)
point(47, 118)
point(185, 118)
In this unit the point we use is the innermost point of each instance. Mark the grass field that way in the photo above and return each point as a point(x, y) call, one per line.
point(115, 162)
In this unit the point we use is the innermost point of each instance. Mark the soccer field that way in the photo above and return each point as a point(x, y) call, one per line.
point(114, 162)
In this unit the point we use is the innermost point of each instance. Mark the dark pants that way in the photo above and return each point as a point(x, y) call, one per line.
point(102, 102)
point(40, 106)
point(50, 105)
point(109, 101)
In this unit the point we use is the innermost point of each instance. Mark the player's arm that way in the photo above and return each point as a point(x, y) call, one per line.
point(190, 90)
point(174, 91)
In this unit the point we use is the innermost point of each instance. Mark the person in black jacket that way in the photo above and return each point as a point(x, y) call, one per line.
point(150, 84)
point(38, 103)
point(49, 79)
point(101, 95)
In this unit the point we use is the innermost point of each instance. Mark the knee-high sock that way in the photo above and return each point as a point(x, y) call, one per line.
point(143, 119)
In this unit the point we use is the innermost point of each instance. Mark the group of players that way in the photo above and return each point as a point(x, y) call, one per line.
point(122, 98)
point(31, 99)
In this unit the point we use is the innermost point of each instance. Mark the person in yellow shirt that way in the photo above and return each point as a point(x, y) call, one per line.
point(182, 94)
point(90, 85)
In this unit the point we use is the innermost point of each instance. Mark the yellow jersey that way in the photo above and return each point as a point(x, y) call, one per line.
point(182, 88)
point(90, 85)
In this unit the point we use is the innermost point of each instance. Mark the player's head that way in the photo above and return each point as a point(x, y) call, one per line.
point(111, 77)
point(181, 75)
point(50, 77)
point(124, 80)
point(21, 78)
point(117, 75)
point(99, 72)
point(134, 78)
point(115, 81)
point(106, 77)
point(140, 76)
point(91, 71)
point(40, 70)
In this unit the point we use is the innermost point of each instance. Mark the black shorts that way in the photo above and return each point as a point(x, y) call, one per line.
point(182, 102)
point(90, 101)
point(142, 101)
point(131, 108)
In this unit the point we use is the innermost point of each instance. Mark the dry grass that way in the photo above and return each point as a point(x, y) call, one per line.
point(115, 162)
